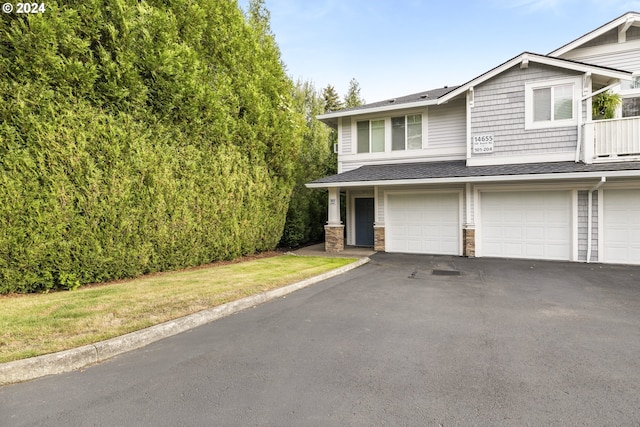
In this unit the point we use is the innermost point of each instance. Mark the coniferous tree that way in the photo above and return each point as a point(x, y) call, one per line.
point(331, 99)
point(138, 137)
point(307, 212)
point(353, 97)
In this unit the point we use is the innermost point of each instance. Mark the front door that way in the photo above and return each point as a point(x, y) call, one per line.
point(364, 221)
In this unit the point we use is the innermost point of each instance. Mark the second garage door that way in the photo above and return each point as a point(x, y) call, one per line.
point(424, 223)
point(622, 226)
point(526, 224)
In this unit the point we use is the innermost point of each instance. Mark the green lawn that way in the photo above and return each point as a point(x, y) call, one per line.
point(31, 325)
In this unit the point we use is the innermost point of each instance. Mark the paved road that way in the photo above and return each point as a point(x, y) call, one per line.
point(505, 343)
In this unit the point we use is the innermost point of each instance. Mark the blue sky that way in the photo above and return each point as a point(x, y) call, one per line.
point(399, 47)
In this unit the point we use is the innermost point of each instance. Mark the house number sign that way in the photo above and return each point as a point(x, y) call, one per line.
point(482, 144)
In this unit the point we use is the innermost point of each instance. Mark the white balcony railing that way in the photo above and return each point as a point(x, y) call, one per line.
point(615, 139)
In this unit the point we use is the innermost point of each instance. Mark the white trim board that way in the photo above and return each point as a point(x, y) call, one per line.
point(491, 178)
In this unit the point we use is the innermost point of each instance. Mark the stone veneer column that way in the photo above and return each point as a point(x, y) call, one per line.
point(378, 238)
point(333, 238)
point(469, 240)
point(334, 230)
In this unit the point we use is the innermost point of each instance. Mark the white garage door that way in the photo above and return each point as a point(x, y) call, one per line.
point(423, 223)
point(621, 223)
point(526, 224)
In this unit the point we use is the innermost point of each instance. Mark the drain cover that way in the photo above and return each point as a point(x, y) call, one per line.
point(445, 272)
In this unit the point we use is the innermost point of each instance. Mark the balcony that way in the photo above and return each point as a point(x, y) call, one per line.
point(612, 140)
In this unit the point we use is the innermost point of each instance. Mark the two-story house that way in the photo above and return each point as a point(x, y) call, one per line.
point(510, 164)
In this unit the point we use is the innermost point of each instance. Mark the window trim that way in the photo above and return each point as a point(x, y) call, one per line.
point(528, 103)
point(370, 142)
point(406, 131)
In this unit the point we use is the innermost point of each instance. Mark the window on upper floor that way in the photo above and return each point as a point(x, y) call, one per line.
point(370, 136)
point(630, 91)
point(550, 104)
point(406, 132)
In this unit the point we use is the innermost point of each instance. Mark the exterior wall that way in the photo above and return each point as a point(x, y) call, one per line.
point(583, 197)
point(380, 206)
point(606, 51)
point(443, 130)
point(447, 126)
point(334, 238)
point(622, 60)
point(469, 242)
point(346, 143)
point(499, 110)
point(378, 239)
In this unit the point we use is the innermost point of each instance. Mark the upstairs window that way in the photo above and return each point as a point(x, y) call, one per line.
point(370, 136)
point(550, 104)
point(630, 92)
point(406, 132)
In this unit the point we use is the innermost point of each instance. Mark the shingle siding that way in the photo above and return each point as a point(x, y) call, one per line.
point(498, 110)
point(611, 37)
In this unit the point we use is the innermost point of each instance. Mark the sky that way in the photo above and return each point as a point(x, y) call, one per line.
point(399, 47)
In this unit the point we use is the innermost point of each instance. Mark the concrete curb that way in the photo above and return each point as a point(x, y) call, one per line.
point(77, 358)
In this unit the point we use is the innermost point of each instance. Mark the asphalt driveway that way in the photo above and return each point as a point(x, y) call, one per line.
point(480, 342)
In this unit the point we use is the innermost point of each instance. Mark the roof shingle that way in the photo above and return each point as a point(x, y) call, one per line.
point(459, 169)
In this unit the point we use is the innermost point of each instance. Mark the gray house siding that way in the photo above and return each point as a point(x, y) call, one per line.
point(621, 59)
point(583, 197)
point(499, 110)
point(611, 37)
point(346, 135)
point(380, 212)
point(627, 60)
point(447, 125)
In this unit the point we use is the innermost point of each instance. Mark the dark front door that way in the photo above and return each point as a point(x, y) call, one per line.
point(364, 222)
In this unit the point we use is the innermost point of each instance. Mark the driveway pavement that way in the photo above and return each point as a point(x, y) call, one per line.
point(390, 343)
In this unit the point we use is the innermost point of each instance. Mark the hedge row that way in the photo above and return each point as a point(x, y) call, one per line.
point(139, 137)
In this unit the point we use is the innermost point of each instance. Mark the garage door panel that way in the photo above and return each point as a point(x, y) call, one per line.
point(423, 223)
point(621, 223)
point(526, 224)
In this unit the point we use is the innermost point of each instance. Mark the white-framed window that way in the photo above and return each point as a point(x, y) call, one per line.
point(551, 103)
point(406, 132)
point(630, 92)
point(370, 134)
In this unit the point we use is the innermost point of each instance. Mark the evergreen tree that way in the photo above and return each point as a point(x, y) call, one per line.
point(138, 137)
point(331, 99)
point(353, 98)
point(307, 212)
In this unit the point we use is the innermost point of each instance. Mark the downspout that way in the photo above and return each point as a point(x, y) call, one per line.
point(590, 216)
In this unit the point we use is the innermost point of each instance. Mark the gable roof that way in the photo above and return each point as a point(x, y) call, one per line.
point(443, 95)
point(525, 58)
point(458, 171)
point(625, 20)
point(420, 99)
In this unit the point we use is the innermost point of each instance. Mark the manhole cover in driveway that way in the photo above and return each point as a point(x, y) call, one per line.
point(445, 273)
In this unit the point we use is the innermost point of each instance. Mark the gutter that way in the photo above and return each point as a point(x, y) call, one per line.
point(590, 216)
point(489, 178)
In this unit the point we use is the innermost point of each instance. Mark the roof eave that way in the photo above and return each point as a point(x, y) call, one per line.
point(488, 178)
point(379, 109)
point(595, 33)
point(533, 57)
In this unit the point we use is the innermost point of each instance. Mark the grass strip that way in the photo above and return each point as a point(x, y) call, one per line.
point(36, 324)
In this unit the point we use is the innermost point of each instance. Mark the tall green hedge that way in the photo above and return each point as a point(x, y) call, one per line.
point(139, 136)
